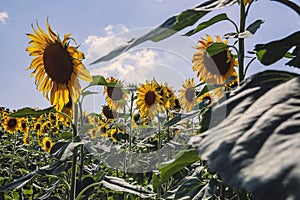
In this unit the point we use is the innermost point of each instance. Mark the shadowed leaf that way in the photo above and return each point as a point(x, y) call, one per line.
point(256, 147)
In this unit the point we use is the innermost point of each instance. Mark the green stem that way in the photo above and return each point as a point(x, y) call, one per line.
point(81, 146)
point(241, 55)
point(74, 159)
point(158, 153)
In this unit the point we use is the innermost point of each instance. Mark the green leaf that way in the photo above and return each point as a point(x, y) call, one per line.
point(165, 30)
point(256, 145)
point(271, 52)
point(216, 48)
point(24, 112)
point(118, 184)
point(182, 116)
point(180, 161)
point(100, 80)
point(207, 24)
point(66, 136)
point(18, 183)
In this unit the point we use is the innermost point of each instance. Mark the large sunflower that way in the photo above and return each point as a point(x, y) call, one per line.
point(56, 66)
point(217, 68)
point(167, 96)
point(115, 96)
point(148, 100)
point(11, 124)
point(187, 95)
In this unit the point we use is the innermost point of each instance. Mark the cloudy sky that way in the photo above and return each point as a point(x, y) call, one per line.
point(100, 26)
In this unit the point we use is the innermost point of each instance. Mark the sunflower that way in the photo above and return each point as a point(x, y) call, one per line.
point(187, 95)
point(103, 129)
point(24, 126)
point(148, 100)
point(217, 68)
point(11, 124)
point(207, 96)
point(26, 139)
point(47, 144)
point(167, 96)
point(115, 95)
point(56, 66)
point(108, 112)
point(37, 126)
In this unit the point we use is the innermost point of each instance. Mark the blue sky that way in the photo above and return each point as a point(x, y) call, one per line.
point(99, 26)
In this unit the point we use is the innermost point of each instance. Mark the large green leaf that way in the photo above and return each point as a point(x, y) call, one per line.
point(169, 168)
point(118, 184)
point(273, 51)
point(171, 26)
point(207, 24)
point(256, 147)
point(24, 112)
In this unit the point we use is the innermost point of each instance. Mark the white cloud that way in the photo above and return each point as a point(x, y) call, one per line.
point(3, 17)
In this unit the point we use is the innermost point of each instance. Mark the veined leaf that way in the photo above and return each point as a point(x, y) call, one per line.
point(169, 168)
point(256, 146)
point(207, 24)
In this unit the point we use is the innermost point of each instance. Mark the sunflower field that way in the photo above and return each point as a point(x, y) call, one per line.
point(223, 135)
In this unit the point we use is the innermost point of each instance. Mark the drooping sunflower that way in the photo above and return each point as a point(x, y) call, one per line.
point(47, 144)
point(115, 95)
point(213, 69)
point(11, 124)
point(187, 95)
point(148, 100)
point(57, 66)
point(109, 113)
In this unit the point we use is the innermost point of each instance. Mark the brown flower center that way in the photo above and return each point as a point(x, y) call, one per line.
point(189, 94)
point(115, 93)
point(12, 123)
point(208, 98)
point(23, 125)
point(58, 63)
point(108, 112)
point(48, 144)
point(216, 64)
point(38, 127)
point(150, 98)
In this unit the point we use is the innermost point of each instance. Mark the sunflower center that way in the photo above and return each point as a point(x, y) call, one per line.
point(58, 63)
point(150, 98)
point(23, 125)
point(12, 123)
point(189, 94)
point(217, 64)
point(115, 93)
point(108, 112)
point(37, 127)
point(48, 144)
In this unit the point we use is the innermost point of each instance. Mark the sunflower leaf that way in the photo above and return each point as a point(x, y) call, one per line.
point(118, 184)
point(271, 52)
point(256, 145)
point(86, 93)
point(169, 168)
point(24, 112)
point(216, 48)
point(207, 24)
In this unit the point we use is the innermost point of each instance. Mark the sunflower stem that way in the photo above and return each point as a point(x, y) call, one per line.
point(74, 159)
point(81, 146)
point(241, 54)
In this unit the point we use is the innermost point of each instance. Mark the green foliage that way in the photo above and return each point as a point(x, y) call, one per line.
point(30, 112)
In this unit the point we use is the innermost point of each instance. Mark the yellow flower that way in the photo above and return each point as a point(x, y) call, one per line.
point(47, 144)
point(187, 95)
point(108, 112)
point(11, 124)
point(207, 96)
point(148, 100)
point(24, 126)
point(37, 126)
point(26, 139)
point(56, 66)
point(115, 96)
point(167, 96)
point(217, 68)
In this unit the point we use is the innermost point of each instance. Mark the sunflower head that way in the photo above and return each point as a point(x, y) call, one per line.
point(213, 69)
point(167, 100)
point(56, 66)
point(47, 144)
point(24, 127)
point(115, 95)
point(187, 95)
point(11, 124)
point(108, 112)
point(149, 100)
